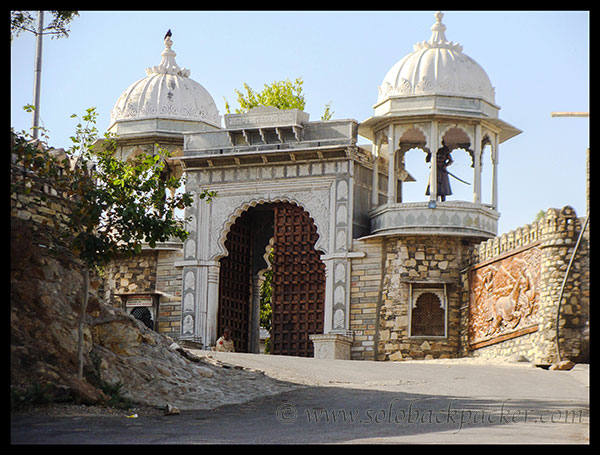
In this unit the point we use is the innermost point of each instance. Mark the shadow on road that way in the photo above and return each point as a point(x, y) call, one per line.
point(316, 415)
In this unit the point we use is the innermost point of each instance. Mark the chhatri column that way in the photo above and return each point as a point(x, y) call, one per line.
point(434, 145)
point(495, 174)
point(375, 184)
point(392, 177)
point(477, 166)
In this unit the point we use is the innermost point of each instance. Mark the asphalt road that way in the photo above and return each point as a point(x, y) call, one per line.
point(355, 402)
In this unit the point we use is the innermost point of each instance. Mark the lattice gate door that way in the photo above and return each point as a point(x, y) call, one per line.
point(428, 317)
point(234, 284)
point(298, 282)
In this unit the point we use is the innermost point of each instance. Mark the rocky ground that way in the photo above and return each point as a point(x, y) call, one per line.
point(121, 355)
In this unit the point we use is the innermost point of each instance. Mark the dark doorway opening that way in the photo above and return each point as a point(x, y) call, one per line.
point(298, 279)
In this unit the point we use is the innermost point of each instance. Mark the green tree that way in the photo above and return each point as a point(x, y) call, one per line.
point(21, 21)
point(116, 206)
point(280, 94)
point(540, 215)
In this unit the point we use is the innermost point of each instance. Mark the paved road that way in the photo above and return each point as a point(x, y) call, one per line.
point(359, 402)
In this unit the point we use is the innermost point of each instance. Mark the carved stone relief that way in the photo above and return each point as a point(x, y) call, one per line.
point(505, 297)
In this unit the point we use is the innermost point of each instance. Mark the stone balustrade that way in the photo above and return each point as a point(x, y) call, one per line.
point(447, 218)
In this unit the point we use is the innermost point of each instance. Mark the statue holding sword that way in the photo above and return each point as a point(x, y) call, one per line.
point(443, 160)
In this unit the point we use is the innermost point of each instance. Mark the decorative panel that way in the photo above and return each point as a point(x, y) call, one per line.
point(505, 298)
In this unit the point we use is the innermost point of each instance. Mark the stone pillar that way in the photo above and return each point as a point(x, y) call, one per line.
point(495, 173)
point(434, 145)
point(477, 165)
point(212, 305)
point(375, 184)
point(392, 177)
point(255, 315)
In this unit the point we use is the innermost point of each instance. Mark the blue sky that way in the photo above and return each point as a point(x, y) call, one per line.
point(538, 62)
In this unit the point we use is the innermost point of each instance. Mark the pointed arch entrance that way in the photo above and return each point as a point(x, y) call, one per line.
point(298, 293)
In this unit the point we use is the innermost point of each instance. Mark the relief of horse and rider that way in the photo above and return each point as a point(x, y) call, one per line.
point(505, 296)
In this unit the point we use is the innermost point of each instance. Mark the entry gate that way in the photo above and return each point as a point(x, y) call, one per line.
point(234, 284)
point(298, 283)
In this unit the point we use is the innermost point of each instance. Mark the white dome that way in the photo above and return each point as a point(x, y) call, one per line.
point(167, 92)
point(437, 67)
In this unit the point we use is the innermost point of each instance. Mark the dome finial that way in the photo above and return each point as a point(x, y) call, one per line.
point(438, 29)
point(438, 37)
point(168, 65)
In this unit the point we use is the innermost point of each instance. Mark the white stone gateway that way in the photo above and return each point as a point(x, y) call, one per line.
point(269, 156)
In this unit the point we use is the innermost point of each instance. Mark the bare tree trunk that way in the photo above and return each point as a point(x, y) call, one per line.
point(86, 286)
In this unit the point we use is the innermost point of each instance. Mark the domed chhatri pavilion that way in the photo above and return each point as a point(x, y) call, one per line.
point(436, 98)
point(356, 271)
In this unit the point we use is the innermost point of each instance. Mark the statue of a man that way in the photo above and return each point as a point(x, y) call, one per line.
point(444, 159)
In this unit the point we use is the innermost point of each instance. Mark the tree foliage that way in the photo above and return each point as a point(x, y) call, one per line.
point(539, 215)
point(21, 21)
point(280, 94)
point(116, 206)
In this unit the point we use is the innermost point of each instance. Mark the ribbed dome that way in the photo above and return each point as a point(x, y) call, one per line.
point(437, 67)
point(167, 92)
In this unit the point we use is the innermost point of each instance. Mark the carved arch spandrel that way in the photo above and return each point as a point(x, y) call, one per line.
point(315, 203)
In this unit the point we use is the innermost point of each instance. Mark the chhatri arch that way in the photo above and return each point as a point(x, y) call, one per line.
point(456, 136)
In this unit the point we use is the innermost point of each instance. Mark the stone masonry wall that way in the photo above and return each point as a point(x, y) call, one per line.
point(168, 285)
point(132, 275)
point(151, 272)
point(418, 262)
point(42, 208)
point(364, 298)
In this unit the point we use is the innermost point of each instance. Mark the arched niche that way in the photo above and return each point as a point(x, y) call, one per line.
point(486, 164)
point(458, 139)
point(412, 170)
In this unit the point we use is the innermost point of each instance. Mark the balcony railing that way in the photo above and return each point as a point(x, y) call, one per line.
point(447, 218)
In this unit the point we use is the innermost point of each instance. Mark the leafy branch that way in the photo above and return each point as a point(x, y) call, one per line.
point(115, 206)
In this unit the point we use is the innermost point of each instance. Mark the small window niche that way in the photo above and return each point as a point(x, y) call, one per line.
point(428, 315)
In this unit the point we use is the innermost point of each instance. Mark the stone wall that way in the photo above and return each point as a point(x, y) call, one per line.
point(413, 265)
point(42, 208)
point(555, 236)
point(152, 272)
point(168, 286)
point(364, 298)
point(133, 275)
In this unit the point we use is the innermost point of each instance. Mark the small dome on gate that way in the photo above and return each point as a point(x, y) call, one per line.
point(167, 92)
